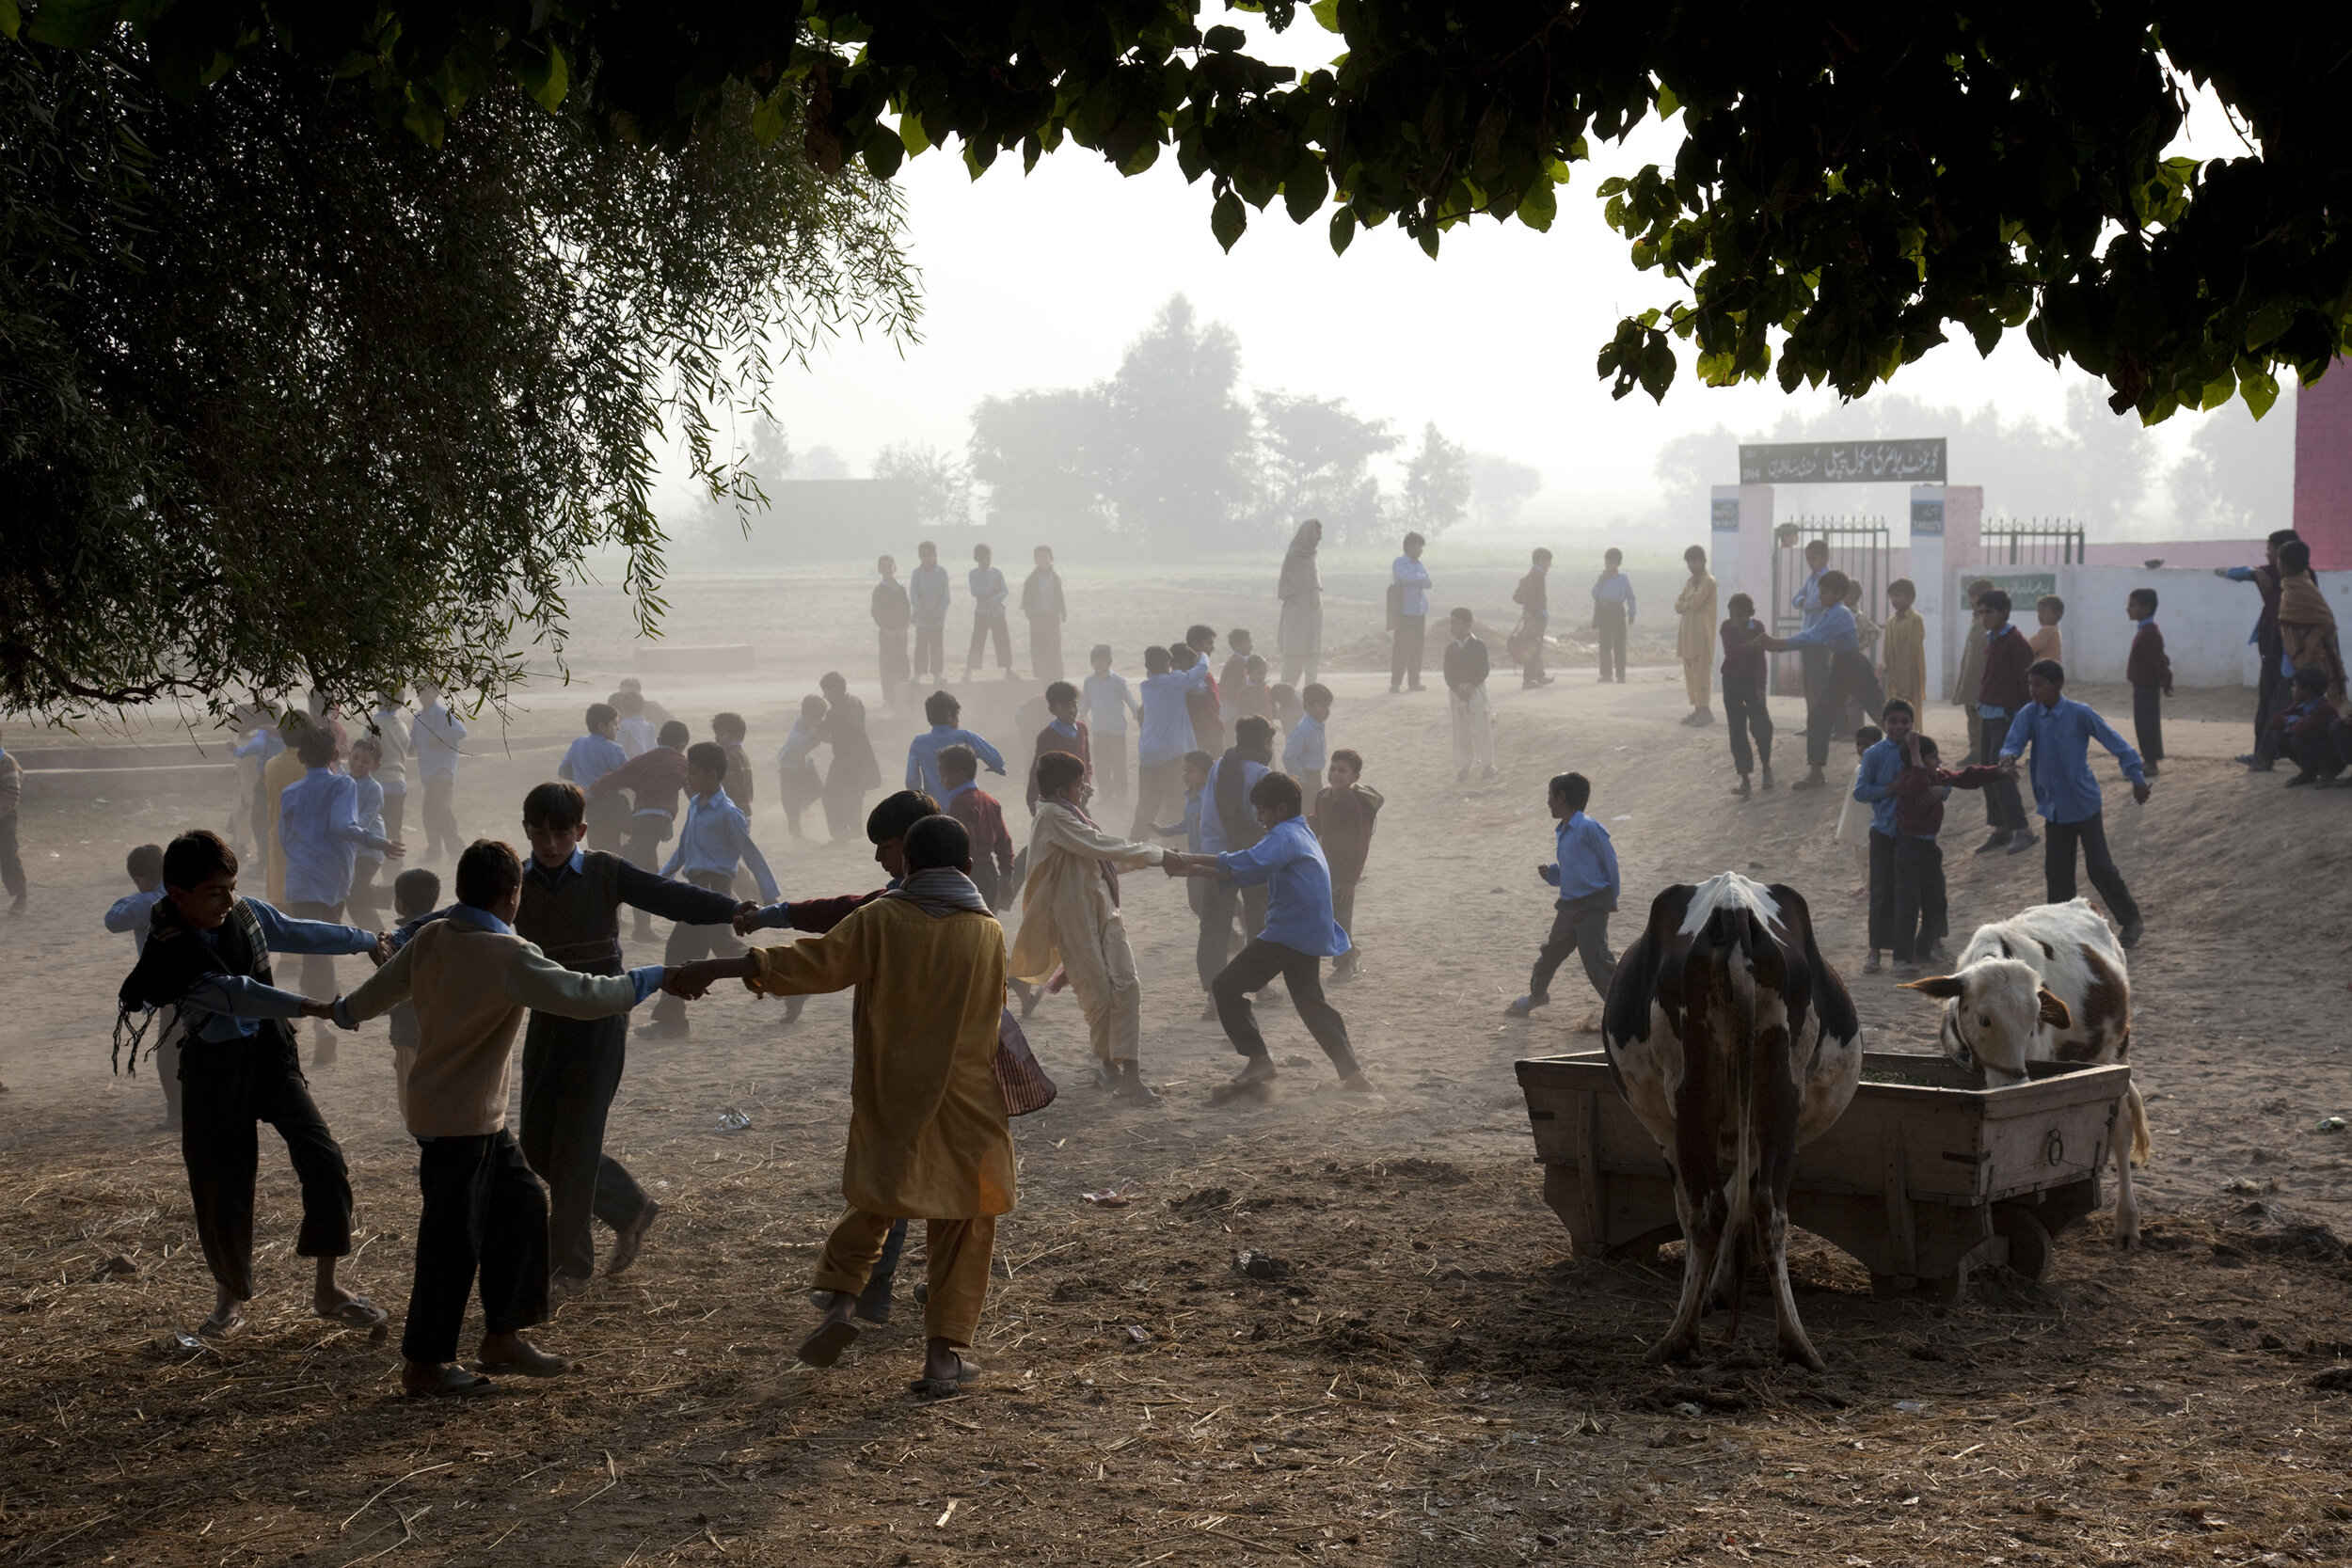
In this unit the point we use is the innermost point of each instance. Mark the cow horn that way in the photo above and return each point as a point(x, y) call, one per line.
point(1943, 987)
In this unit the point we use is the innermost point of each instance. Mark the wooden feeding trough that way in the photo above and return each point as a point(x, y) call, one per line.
point(1927, 1175)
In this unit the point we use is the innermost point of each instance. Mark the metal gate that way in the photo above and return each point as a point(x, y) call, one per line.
point(2042, 541)
point(1857, 546)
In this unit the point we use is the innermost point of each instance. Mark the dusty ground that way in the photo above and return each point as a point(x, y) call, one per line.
point(1435, 1379)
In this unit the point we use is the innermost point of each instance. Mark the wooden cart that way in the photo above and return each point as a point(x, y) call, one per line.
point(1927, 1175)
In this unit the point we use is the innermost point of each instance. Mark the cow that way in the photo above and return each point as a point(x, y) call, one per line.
point(1735, 1044)
point(2047, 985)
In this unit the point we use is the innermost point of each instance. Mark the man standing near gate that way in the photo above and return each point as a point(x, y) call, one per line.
point(1809, 601)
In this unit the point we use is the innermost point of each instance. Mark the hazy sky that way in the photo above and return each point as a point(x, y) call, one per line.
point(1042, 281)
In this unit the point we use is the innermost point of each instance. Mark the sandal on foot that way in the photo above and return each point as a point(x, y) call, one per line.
point(627, 1243)
point(218, 1327)
point(825, 1347)
point(967, 1371)
point(359, 1312)
point(453, 1383)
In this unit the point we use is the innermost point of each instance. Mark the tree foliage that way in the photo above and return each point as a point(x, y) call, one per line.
point(1500, 487)
point(941, 484)
point(1856, 182)
point(292, 399)
point(1315, 462)
point(1436, 483)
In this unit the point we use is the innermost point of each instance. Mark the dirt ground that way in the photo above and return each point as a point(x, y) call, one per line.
point(1431, 1379)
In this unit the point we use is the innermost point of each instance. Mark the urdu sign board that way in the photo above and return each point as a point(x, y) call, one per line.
point(1919, 462)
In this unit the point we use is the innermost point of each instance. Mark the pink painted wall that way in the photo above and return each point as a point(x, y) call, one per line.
point(2323, 469)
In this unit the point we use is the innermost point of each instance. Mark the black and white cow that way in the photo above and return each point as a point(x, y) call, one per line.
point(1735, 1044)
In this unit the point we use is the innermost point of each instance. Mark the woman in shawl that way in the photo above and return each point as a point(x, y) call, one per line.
point(2307, 627)
point(1301, 591)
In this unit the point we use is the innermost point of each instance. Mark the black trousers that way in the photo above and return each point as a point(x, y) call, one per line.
point(2057, 865)
point(1251, 970)
point(1750, 723)
point(2266, 695)
point(225, 1092)
point(2004, 807)
point(689, 943)
point(1608, 621)
point(1813, 663)
point(485, 1221)
point(395, 810)
point(2148, 720)
point(2316, 754)
point(1881, 890)
point(931, 652)
point(1579, 926)
point(1841, 685)
point(984, 629)
point(571, 1071)
point(1406, 650)
point(1921, 913)
point(12, 863)
point(1218, 902)
point(440, 818)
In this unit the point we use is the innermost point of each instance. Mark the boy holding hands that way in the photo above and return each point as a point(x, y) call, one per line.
point(1342, 822)
point(982, 817)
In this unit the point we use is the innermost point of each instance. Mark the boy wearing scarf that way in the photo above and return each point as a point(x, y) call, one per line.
point(1069, 919)
point(927, 1133)
point(207, 954)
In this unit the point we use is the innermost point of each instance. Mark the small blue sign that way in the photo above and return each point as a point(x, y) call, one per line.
point(1927, 516)
point(1727, 516)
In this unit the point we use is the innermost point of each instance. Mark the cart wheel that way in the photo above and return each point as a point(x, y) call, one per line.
point(1949, 1290)
point(2029, 1244)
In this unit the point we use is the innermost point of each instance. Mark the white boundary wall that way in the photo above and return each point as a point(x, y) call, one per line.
point(2207, 620)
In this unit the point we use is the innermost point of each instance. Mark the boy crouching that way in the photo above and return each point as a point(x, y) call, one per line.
point(485, 1214)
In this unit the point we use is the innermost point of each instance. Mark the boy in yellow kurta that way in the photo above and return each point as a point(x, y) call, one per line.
point(1695, 639)
point(1070, 917)
point(927, 1133)
point(1904, 644)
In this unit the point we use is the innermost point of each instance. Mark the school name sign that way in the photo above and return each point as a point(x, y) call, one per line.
point(1843, 463)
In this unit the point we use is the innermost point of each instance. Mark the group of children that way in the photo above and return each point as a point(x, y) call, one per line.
point(921, 604)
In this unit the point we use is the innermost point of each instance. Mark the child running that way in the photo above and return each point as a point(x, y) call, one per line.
point(1299, 934)
point(1342, 821)
point(1921, 919)
point(983, 821)
point(946, 714)
point(714, 841)
point(484, 1215)
point(1746, 715)
point(207, 956)
point(1583, 873)
point(799, 786)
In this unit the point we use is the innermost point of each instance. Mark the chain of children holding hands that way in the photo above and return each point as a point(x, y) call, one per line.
point(510, 1215)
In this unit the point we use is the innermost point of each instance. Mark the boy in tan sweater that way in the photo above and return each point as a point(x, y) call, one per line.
point(485, 1214)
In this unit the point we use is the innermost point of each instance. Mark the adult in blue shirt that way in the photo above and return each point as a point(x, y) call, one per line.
point(1874, 787)
point(1832, 635)
point(989, 593)
point(206, 954)
point(1412, 615)
point(943, 710)
point(2066, 792)
point(320, 834)
point(1584, 870)
point(1299, 934)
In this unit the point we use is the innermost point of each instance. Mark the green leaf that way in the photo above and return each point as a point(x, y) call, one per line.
point(2276, 315)
point(547, 77)
point(770, 120)
point(882, 151)
point(1224, 40)
point(1227, 219)
point(1667, 102)
point(1539, 206)
point(913, 137)
point(2259, 391)
point(1326, 14)
point(11, 22)
point(73, 23)
point(1342, 229)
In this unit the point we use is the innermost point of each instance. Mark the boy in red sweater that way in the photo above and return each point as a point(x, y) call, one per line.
point(1066, 732)
point(2150, 670)
point(1921, 916)
point(982, 817)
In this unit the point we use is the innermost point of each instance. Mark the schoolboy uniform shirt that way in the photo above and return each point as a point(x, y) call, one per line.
point(1107, 702)
point(923, 756)
point(1166, 721)
point(1304, 750)
point(391, 740)
point(1831, 627)
point(224, 1006)
point(926, 588)
point(1808, 599)
point(639, 735)
point(591, 759)
point(1614, 588)
point(368, 807)
point(1414, 579)
point(1583, 861)
point(715, 838)
point(2064, 788)
point(988, 593)
point(1874, 784)
point(433, 741)
point(319, 830)
point(132, 913)
point(1298, 888)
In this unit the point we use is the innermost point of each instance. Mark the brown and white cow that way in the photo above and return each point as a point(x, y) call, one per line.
point(2047, 985)
point(1734, 1045)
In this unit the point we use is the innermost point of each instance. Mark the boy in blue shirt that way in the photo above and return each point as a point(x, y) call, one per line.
point(2066, 792)
point(591, 757)
point(1585, 871)
point(943, 710)
point(1303, 753)
point(1299, 934)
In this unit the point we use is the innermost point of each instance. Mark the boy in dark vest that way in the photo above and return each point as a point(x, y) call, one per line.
point(571, 909)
